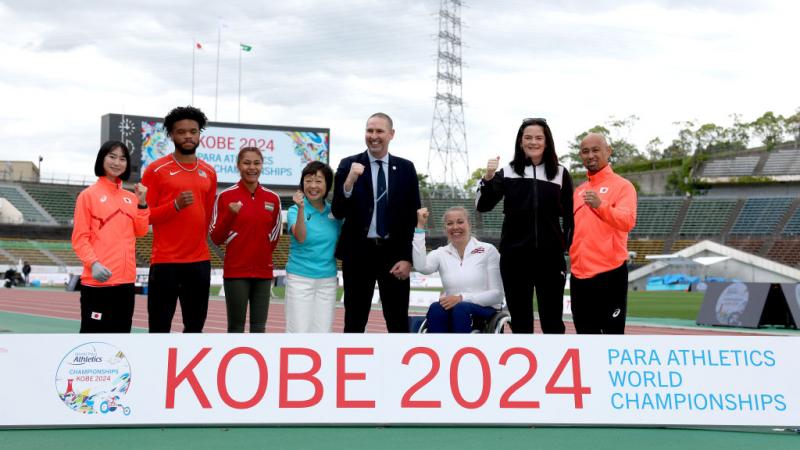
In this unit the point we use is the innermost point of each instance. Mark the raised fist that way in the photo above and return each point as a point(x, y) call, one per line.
point(491, 168)
point(298, 198)
point(141, 193)
point(235, 207)
point(422, 217)
point(356, 169)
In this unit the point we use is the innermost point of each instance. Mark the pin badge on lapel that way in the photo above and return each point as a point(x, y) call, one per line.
point(394, 167)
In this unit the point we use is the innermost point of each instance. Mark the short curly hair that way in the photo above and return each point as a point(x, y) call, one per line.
point(182, 113)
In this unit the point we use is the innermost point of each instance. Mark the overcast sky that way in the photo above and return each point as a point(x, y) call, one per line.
point(331, 64)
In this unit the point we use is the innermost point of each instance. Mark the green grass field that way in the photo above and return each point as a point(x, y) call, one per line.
point(660, 305)
point(663, 304)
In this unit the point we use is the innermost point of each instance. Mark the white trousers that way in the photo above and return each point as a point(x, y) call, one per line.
point(310, 304)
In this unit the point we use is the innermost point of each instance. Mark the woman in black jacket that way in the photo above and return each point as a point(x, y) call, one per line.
point(537, 191)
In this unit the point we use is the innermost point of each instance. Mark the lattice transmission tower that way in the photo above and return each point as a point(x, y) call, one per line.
point(448, 161)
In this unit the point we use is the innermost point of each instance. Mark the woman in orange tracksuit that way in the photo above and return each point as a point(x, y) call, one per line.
point(107, 221)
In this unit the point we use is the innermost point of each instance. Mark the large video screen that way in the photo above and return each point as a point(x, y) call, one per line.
point(286, 149)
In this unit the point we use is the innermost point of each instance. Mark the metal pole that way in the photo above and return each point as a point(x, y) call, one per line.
point(239, 114)
point(216, 89)
point(194, 48)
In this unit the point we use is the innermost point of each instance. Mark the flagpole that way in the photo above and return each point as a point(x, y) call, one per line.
point(216, 89)
point(239, 115)
point(194, 48)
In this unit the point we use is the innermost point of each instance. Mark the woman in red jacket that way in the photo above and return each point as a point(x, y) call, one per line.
point(247, 219)
point(107, 221)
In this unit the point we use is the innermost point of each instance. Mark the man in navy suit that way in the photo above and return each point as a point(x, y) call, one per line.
point(378, 196)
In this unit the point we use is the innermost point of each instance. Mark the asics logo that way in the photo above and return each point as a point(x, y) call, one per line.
point(616, 312)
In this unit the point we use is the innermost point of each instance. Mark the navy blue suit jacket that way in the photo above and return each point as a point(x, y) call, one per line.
point(357, 210)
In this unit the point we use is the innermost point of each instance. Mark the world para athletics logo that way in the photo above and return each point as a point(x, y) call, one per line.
point(93, 378)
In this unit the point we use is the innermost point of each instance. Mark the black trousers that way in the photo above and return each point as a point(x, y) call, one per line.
point(170, 282)
point(107, 309)
point(360, 272)
point(521, 273)
point(600, 303)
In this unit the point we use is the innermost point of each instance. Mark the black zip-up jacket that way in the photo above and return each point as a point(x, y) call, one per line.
point(532, 207)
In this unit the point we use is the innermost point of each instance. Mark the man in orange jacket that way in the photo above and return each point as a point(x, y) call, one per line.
point(605, 211)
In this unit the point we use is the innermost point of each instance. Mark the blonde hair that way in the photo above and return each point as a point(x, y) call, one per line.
point(460, 209)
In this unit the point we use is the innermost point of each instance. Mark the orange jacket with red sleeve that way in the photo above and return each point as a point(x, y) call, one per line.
point(600, 242)
point(249, 236)
point(107, 222)
point(179, 236)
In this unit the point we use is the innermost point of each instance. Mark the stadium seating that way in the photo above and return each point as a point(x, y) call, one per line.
point(681, 244)
point(60, 249)
point(785, 251)
point(144, 246)
point(281, 253)
point(440, 205)
point(761, 215)
point(492, 221)
point(728, 167)
point(783, 162)
point(707, 217)
point(18, 199)
point(792, 227)
point(25, 250)
point(57, 200)
point(656, 216)
point(752, 246)
point(644, 247)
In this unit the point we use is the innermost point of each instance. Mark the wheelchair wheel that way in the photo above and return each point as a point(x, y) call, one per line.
point(417, 324)
point(500, 323)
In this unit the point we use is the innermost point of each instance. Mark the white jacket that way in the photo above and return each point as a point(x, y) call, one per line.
point(476, 278)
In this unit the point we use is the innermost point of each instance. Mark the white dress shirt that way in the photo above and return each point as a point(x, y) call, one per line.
point(476, 277)
point(373, 224)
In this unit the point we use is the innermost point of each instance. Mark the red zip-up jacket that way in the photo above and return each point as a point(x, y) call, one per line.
point(600, 242)
point(107, 222)
point(249, 236)
point(179, 236)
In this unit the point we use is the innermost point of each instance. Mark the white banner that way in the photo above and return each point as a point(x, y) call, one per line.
point(82, 380)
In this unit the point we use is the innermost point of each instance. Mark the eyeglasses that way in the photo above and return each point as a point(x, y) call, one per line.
point(534, 120)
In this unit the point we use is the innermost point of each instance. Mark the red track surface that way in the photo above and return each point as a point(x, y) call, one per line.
point(65, 305)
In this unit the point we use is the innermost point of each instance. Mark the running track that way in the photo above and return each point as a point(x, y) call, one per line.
point(65, 305)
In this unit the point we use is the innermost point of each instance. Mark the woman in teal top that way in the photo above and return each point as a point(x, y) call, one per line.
point(311, 270)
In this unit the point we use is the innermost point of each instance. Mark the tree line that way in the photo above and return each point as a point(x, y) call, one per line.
point(693, 138)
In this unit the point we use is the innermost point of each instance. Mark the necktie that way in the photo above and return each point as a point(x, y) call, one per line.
point(382, 202)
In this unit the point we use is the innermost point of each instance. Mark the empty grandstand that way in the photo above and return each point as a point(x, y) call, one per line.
point(656, 216)
point(707, 217)
point(729, 167)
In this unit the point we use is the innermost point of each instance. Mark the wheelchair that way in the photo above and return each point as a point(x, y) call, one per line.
point(499, 323)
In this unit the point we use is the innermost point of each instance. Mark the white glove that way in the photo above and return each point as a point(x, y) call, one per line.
point(100, 272)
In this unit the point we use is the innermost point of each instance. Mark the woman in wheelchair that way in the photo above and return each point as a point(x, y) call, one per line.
point(470, 271)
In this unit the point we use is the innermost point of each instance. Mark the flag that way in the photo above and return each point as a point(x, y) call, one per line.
point(198, 45)
point(246, 47)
